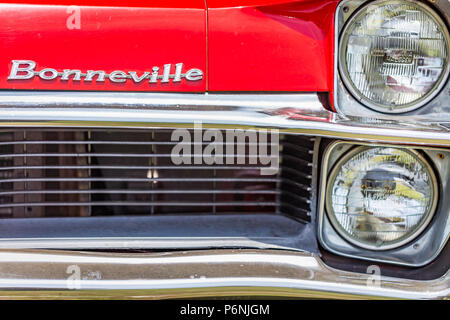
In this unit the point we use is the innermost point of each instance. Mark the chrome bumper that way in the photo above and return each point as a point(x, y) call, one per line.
point(195, 274)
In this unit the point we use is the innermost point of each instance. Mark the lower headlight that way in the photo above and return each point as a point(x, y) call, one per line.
point(381, 197)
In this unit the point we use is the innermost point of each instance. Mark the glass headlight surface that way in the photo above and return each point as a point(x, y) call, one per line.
point(393, 55)
point(381, 197)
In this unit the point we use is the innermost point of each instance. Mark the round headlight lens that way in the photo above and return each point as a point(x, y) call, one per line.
point(394, 55)
point(380, 197)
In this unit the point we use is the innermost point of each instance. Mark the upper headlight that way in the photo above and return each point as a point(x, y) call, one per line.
point(393, 55)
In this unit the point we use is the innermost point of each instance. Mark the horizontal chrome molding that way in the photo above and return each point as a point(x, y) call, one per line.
point(164, 101)
point(291, 113)
point(212, 273)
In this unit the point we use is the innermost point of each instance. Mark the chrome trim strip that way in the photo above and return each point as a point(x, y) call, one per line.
point(295, 114)
point(139, 100)
point(212, 273)
point(129, 243)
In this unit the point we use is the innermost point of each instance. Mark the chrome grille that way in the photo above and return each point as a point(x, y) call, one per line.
point(73, 173)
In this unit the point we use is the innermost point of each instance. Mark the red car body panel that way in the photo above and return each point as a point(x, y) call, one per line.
point(241, 46)
point(266, 47)
point(109, 39)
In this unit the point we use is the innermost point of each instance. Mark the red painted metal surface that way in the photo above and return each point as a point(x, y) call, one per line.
point(253, 45)
point(109, 39)
point(270, 45)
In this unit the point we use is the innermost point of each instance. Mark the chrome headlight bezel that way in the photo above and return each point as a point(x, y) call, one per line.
point(426, 243)
point(433, 108)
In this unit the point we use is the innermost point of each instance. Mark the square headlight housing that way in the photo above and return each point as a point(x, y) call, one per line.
point(410, 233)
point(359, 92)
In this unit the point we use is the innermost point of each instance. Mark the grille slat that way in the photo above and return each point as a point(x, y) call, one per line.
point(145, 143)
point(144, 191)
point(130, 167)
point(100, 172)
point(143, 179)
point(106, 203)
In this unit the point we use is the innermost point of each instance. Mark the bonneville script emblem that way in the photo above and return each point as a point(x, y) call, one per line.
point(26, 69)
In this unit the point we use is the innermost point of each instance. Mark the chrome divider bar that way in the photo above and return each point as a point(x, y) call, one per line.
point(291, 113)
